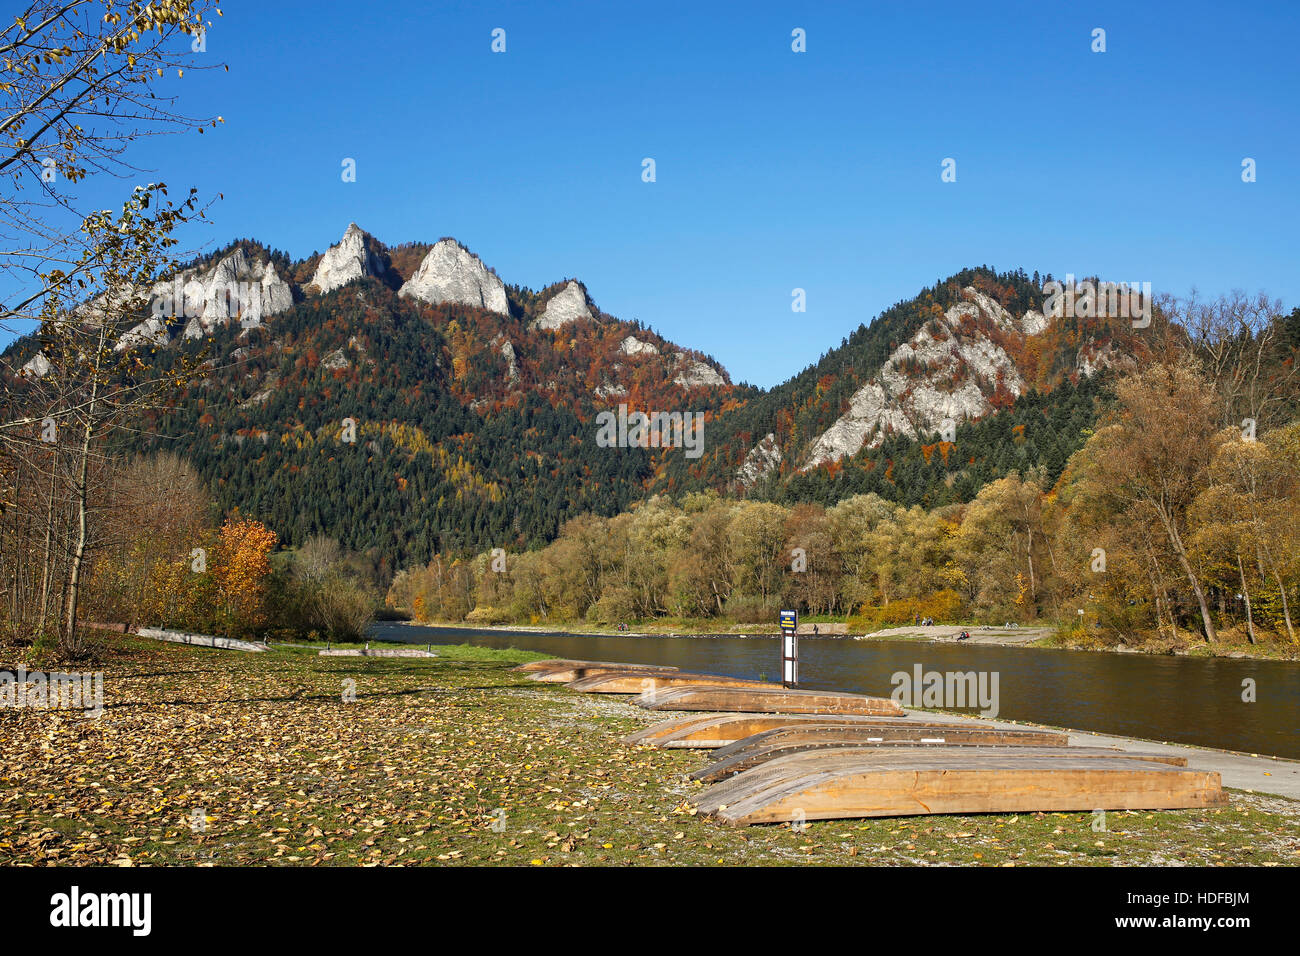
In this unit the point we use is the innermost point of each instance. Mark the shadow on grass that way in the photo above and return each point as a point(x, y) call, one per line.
point(290, 699)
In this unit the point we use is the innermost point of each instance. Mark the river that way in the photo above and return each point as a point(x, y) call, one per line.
point(1189, 700)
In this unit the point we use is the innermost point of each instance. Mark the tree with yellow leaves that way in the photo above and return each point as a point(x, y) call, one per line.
point(240, 566)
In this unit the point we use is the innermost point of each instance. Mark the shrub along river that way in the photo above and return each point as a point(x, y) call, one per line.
point(1189, 700)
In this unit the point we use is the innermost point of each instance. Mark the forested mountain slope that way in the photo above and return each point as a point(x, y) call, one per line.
point(407, 401)
point(964, 383)
point(470, 404)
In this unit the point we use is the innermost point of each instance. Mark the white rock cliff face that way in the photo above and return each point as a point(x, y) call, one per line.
point(350, 259)
point(148, 332)
point(1094, 358)
point(451, 273)
point(694, 373)
point(763, 459)
point(38, 366)
point(631, 345)
point(567, 305)
point(234, 287)
point(962, 368)
point(512, 368)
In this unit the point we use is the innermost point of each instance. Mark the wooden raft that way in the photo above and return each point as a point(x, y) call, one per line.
point(909, 782)
point(664, 729)
point(653, 682)
point(557, 671)
point(810, 734)
point(795, 755)
point(789, 767)
point(769, 700)
point(759, 756)
point(751, 751)
point(567, 675)
point(709, 730)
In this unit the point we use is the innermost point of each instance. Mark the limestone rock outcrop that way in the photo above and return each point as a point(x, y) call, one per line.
point(451, 273)
point(149, 332)
point(235, 288)
point(631, 345)
point(694, 373)
point(351, 259)
point(568, 305)
point(38, 366)
point(763, 459)
point(946, 374)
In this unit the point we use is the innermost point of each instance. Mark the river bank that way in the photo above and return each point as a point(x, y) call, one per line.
point(1186, 700)
point(1037, 636)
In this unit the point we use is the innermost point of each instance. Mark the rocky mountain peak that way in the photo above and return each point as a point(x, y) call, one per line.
point(235, 286)
point(352, 258)
point(451, 273)
point(570, 304)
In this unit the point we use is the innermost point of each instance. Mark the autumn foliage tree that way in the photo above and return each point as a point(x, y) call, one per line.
point(240, 566)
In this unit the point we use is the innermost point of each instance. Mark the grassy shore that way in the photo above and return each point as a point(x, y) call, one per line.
point(212, 757)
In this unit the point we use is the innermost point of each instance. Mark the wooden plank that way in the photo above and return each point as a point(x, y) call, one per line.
point(650, 735)
point(569, 674)
point(921, 782)
point(753, 757)
point(559, 663)
point(772, 700)
point(810, 734)
point(650, 683)
point(731, 790)
point(549, 664)
point(783, 769)
point(720, 730)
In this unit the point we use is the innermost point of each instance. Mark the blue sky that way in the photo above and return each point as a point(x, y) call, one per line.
point(775, 170)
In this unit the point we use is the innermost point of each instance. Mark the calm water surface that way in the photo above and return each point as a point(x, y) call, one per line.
point(1178, 699)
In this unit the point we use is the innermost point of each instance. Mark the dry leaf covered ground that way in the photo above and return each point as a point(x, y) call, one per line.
point(212, 757)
